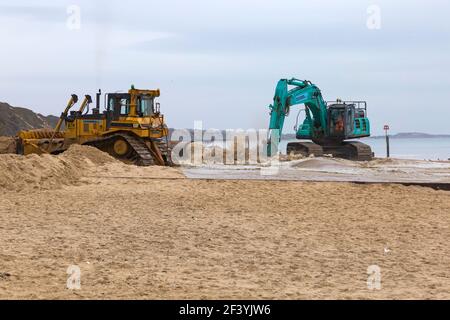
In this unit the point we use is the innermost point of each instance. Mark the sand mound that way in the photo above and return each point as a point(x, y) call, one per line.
point(7, 145)
point(120, 170)
point(331, 165)
point(33, 171)
point(47, 171)
point(83, 153)
point(323, 163)
point(51, 172)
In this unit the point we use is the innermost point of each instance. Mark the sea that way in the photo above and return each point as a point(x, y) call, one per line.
point(405, 148)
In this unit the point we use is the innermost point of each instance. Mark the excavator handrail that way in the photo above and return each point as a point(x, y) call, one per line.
point(356, 102)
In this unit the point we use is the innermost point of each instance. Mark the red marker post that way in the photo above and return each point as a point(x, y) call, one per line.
point(386, 129)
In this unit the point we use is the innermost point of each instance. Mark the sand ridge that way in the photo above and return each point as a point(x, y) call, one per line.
point(7, 145)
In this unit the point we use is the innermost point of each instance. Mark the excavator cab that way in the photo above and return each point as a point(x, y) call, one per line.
point(337, 121)
point(347, 120)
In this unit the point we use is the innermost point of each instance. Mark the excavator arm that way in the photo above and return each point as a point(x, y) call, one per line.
point(303, 92)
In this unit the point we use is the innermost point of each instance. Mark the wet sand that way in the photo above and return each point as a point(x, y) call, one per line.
point(330, 169)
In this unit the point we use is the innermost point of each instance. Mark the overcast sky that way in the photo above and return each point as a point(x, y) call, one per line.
point(219, 61)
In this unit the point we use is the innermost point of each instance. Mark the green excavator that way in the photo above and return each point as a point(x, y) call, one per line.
point(328, 125)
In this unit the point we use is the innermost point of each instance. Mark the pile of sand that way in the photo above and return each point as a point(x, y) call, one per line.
point(119, 170)
point(7, 145)
point(87, 154)
point(323, 163)
point(48, 171)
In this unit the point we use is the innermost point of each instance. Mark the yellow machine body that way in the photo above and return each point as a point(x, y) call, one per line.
point(131, 128)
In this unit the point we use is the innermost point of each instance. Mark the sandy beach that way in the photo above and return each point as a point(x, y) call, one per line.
point(151, 233)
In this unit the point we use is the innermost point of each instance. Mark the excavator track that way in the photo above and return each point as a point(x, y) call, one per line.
point(351, 150)
point(304, 148)
point(139, 153)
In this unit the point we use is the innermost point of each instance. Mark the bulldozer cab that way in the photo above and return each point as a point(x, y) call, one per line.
point(118, 105)
point(135, 103)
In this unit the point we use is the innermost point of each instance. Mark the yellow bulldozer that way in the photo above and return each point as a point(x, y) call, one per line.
point(131, 129)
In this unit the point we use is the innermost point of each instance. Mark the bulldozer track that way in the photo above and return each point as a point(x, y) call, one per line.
point(145, 157)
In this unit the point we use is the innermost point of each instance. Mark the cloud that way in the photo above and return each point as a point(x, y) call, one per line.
point(213, 60)
point(272, 41)
point(35, 12)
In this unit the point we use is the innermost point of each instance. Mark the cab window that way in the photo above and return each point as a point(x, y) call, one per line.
point(124, 107)
point(119, 105)
point(350, 117)
point(337, 121)
point(145, 106)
